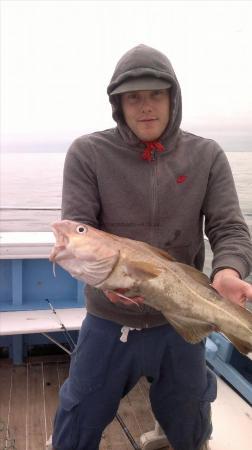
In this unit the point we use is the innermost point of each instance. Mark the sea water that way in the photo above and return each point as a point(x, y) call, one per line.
point(33, 182)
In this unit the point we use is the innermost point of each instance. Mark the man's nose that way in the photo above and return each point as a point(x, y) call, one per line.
point(146, 104)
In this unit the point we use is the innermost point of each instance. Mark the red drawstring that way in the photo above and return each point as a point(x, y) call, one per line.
point(150, 146)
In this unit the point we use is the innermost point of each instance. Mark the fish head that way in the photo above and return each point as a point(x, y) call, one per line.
point(86, 253)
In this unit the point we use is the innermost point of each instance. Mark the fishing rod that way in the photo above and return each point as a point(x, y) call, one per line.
point(57, 343)
point(69, 337)
point(127, 432)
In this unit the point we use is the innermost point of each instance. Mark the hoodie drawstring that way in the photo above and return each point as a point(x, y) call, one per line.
point(150, 146)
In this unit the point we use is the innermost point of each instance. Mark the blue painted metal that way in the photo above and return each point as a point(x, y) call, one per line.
point(5, 284)
point(25, 284)
point(230, 364)
point(17, 349)
point(40, 283)
point(17, 282)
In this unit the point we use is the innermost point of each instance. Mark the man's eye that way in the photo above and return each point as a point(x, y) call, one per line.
point(159, 94)
point(132, 96)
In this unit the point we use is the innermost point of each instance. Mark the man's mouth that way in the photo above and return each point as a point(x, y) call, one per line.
point(149, 119)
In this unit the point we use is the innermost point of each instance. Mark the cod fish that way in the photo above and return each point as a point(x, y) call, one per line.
point(182, 293)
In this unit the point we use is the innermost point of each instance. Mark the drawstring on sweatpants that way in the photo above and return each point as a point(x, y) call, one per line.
point(125, 332)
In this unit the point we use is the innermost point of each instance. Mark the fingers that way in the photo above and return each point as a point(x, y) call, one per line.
point(248, 291)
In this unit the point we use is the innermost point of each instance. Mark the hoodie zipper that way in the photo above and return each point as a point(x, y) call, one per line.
point(154, 162)
point(153, 155)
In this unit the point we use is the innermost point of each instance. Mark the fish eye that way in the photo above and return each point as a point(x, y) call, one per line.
point(81, 229)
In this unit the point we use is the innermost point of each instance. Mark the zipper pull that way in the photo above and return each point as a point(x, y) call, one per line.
point(153, 155)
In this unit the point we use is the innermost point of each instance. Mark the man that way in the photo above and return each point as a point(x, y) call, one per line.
point(148, 180)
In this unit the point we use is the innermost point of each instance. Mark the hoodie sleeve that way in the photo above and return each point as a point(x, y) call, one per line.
point(224, 223)
point(80, 195)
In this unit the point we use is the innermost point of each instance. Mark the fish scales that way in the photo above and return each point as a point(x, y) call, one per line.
point(183, 294)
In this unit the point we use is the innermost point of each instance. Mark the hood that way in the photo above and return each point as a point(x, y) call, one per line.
point(145, 61)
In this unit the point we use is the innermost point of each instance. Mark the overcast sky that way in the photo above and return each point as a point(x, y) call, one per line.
point(57, 58)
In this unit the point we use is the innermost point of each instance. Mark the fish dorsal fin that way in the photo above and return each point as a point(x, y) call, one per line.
point(159, 252)
point(142, 270)
point(198, 276)
point(241, 346)
point(191, 329)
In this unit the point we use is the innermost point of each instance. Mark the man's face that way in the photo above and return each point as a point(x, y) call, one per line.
point(146, 112)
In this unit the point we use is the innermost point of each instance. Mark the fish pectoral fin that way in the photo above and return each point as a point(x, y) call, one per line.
point(242, 347)
point(142, 271)
point(192, 330)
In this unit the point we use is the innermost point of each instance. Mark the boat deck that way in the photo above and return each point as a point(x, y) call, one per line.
point(29, 396)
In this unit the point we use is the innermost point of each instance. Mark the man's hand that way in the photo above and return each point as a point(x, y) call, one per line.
point(118, 296)
point(228, 283)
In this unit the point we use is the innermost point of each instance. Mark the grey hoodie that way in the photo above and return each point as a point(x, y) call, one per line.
point(163, 202)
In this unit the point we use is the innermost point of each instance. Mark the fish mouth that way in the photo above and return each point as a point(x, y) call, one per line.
point(57, 252)
point(62, 241)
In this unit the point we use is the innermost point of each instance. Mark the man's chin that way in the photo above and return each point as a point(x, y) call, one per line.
point(149, 134)
point(148, 137)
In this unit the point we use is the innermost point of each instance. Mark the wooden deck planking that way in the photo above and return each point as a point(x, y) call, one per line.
point(136, 414)
point(18, 406)
point(113, 438)
point(5, 395)
point(139, 403)
point(29, 397)
point(5, 387)
point(36, 435)
point(62, 371)
point(51, 390)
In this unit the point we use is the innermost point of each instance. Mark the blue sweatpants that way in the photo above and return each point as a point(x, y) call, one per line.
point(103, 369)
